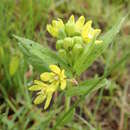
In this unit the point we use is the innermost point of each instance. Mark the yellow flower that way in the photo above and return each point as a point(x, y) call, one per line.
point(88, 33)
point(49, 84)
point(56, 75)
point(45, 92)
point(56, 26)
point(80, 22)
point(74, 28)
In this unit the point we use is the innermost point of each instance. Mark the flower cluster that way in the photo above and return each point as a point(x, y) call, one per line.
point(72, 36)
point(73, 28)
point(50, 83)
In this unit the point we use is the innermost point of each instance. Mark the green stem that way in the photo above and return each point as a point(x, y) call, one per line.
point(67, 103)
point(67, 100)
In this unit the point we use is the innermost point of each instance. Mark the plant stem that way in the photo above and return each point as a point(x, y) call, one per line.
point(67, 103)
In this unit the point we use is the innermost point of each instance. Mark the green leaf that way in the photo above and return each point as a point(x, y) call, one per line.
point(92, 52)
point(13, 66)
point(85, 86)
point(40, 57)
point(38, 64)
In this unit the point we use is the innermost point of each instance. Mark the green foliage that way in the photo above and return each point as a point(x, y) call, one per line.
point(68, 110)
point(85, 86)
point(45, 56)
point(40, 57)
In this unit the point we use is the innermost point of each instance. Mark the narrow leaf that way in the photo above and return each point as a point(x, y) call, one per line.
point(85, 86)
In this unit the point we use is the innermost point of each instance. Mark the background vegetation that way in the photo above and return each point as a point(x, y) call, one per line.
point(105, 109)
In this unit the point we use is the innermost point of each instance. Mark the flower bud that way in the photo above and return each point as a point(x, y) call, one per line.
point(59, 44)
point(77, 50)
point(62, 53)
point(71, 29)
point(78, 40)
point(70, 57)
point(68, 43)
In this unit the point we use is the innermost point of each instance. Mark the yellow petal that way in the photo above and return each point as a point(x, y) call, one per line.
point(55, 69)
point(87, 32)
point(37, 82)
point(87, 40)
point(88, 25)
point(52, 30)
point(35, 88)
point(39, 99)
point(54, 23)
point(53, 87)
point(48, 100)
point(57, 24)
point(60, 23)
point(49, 28)
point(47, 76)
point(80, 22)
point(63, 84)
point(62, 75)
point(72, 19)
point(86, 28)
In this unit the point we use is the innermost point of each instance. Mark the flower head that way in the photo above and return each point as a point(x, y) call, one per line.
point(74, 28)
point(49, 84)
point(72, 38)
point(56, 75)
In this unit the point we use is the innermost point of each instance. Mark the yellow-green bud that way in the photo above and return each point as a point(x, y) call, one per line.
point(62, 53)
point(77, 50)
point(71, 29)
point(59, 44)
point(70, 57)
point(68, 43)
point(78, 40)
